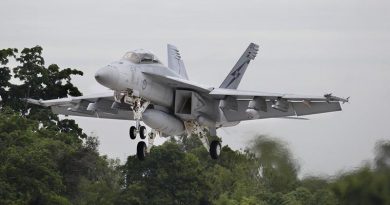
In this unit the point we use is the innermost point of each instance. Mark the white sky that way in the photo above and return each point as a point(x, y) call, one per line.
point(306, 47)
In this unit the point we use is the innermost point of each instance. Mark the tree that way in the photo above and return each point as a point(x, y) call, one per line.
point(167, 176)
point(366, 185)
point(45, 160)
point(278, 169)
point(5, 73)
point(382, 159)
point(29, 169)
point(37, 81)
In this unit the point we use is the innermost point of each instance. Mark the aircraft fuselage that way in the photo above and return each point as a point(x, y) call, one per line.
point(123, 75)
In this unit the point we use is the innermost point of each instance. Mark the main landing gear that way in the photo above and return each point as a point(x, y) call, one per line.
point(214, 148)
point(192, 127)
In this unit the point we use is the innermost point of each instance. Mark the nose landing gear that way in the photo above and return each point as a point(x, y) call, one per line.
point(142, 132)
point(138, 105)
point(133, 132)
point(142, 149)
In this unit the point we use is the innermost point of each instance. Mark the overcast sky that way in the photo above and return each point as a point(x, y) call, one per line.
point(306, 47)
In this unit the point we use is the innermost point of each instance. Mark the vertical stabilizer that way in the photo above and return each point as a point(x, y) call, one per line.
point(175, 62)
point(234, 78)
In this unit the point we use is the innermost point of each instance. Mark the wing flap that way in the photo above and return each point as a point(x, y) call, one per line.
point(241, 113)
point(315, 108)
point(294, 109)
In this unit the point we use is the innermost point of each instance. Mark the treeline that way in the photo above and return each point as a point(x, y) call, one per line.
point(46, 160)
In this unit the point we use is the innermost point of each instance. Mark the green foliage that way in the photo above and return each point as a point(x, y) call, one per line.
point(29, 165)
point(382, 159)
point(368, 184)
point(363, 186)
point(170, 176)
point(45, 160)
point(277, 167)
point(44, 166)
point(38, 82)
point(5, 72)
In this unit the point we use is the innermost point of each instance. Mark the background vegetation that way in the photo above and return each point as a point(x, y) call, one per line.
point(46, 160)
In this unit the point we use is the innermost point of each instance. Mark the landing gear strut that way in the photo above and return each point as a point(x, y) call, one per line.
point(138, 106)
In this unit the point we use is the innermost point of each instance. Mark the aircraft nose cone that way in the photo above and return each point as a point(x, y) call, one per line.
point(107, 76)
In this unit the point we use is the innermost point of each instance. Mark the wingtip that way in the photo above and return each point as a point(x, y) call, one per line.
point(171, 46)
point(254, 46)
point(33, 101)
point(330, 97)
point(347, 99)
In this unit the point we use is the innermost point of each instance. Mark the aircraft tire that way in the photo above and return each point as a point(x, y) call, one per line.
point(215, 149)
point(142, 132)
point(133, 132)
point(141, 150)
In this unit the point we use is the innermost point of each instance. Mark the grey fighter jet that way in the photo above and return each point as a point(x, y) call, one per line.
point(164, 99)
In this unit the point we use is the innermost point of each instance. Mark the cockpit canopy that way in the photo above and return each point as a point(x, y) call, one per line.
point(141, 57)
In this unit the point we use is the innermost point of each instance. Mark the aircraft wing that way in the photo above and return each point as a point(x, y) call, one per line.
point(220, 92)
point(97, 105)
point(239, 105)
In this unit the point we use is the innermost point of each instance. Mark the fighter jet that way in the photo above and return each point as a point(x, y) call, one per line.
point(164, 99)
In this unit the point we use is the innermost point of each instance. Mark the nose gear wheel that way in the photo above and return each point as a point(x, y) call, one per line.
point(141, 150)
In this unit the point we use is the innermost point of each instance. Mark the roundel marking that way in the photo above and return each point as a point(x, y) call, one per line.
point(144, 84)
